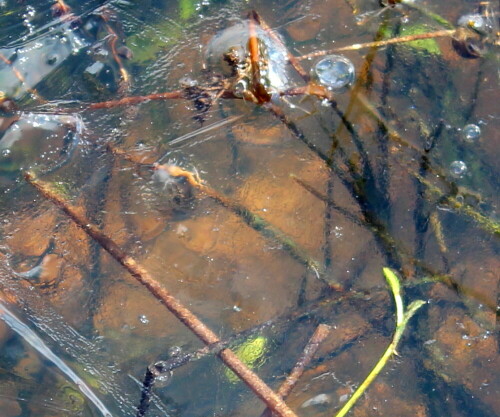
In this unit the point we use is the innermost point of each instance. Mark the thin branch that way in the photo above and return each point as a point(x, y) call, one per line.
point(291, 380)
point(189, 319)
point(129, 101)
point(378, 44)
point(164, 368)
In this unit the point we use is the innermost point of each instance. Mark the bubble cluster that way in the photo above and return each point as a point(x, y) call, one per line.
point(143, 319)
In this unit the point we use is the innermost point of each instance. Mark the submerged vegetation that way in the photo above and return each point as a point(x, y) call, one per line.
point(258, 169)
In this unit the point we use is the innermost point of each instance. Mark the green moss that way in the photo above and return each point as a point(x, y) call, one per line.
point(71, 397)
point(251, 354)
point(186, 9)
point(150, 42)
point(428, 45)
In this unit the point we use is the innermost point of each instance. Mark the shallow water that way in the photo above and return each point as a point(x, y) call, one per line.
point(301, 214)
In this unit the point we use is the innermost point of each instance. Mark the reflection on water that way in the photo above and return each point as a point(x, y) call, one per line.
point(45, 141)
point(33, 340)
point(88, 356)
point(397, 169)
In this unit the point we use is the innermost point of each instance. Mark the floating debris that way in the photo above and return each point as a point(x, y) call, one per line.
point(335, 72)
point(321, 399)
point(229, 49)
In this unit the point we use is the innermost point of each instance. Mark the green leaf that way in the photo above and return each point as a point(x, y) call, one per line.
point(393, 282)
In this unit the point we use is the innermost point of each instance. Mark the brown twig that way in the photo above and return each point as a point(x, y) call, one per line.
point(132, 100)
point(259, 91)
point(378, 44)
point(291, 380)
point(113, 38)
point(128, 101)
point(190, 320)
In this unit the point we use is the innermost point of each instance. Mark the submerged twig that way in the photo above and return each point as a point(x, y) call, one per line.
point(129, 101)
point(291, 380)
point(191, 321)
point(380, 43)
point(438, 231)
point(124, 75)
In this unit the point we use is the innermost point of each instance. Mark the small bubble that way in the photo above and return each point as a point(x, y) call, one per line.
point(335, 72)
point(458, 169)
point(143, 319)
point(471, 133)
point(163, 379)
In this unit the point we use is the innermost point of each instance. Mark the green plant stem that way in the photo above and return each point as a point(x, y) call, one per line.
point(402, 319)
